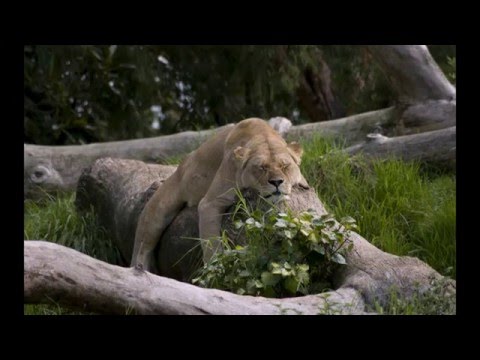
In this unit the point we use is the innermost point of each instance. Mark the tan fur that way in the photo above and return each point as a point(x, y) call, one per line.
point(246, 155)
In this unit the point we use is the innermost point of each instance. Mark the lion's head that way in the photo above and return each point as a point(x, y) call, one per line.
point(271, 168)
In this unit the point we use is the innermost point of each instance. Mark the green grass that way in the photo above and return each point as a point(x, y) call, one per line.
point(398, 206)
point(435, 301)
point(56, 220)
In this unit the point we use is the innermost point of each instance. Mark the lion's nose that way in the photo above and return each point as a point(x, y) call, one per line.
point(276, 182)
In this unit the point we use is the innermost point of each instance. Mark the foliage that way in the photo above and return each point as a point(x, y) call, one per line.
point(452, 72)
point(286, 254)
point(358, 80)
point(89, 93)
point(445, 57)
point(398, 206)
point(81, 94)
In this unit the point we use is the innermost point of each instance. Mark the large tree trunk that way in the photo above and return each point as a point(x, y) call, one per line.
point(413, 73)
point(118, 190)
point(315, 94)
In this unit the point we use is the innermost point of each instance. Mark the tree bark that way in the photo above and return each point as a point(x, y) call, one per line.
point(434, 147)
point(118, 190)
point(413, 73)
point(315, 94)
point(352, 129)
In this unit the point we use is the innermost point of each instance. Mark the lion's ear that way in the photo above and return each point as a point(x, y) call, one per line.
point(241, 153)
point(296, 151)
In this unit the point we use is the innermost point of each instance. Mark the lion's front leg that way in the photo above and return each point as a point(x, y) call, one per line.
point(210, 224)
point(157, 214)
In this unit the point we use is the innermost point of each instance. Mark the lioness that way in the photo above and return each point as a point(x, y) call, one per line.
point(250, 154)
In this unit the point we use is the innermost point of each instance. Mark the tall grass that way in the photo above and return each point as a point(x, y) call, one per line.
point(56, 220)
point(398, 207)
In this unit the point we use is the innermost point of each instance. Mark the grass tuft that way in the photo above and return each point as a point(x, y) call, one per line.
point(56, 220)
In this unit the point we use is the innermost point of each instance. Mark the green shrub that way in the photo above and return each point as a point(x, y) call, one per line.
point(286, 254)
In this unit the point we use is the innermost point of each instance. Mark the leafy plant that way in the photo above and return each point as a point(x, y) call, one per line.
point(286, 254)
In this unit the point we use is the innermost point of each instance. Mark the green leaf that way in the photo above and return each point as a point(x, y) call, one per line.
point(302, 274)
point(319, 249)
point(270, 279)
point(348, 220)
point(303, 267)
point(291, 284)
point(286, 272)
point(305, 232)
point(328, 219)
point(277, 270)
point(313, 237)
point(280, 223)
point(251, 285)
point(288, 234)
point(244, 273)
point(339, 259)
point(238, 224)
point(269, 291)
point(258, 225)
point(241, 291)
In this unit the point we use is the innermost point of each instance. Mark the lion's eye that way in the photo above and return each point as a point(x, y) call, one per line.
point(285, 166)
point(263, 167)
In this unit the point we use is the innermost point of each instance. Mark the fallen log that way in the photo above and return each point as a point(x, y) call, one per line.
point(51, 168)
point(56, 273)
point(434, 147)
